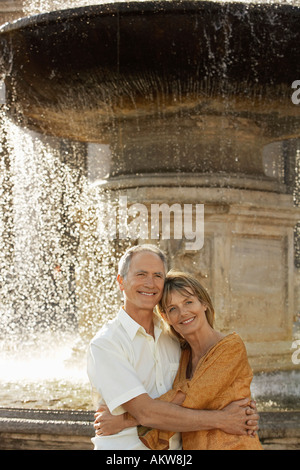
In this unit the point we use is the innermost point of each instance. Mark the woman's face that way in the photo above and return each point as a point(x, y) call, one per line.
point(185, 313)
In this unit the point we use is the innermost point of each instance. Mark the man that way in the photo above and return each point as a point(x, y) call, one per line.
point(132, 361)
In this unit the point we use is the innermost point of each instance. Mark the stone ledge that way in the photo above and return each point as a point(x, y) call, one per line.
point(69, 423)
point(27, 429)
point(279, 424)
point(23, 429)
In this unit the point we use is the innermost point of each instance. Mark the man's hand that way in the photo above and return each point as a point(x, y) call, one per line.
point(236, 418)
point(106, 424)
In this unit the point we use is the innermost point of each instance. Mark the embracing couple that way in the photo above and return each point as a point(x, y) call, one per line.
point(164, 377)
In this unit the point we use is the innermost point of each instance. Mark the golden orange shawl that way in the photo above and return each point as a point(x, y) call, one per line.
point(223, 375)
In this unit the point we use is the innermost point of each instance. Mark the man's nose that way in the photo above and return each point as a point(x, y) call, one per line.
point(149, 282)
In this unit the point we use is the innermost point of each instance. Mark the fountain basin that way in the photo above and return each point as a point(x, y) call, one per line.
point(152, 78)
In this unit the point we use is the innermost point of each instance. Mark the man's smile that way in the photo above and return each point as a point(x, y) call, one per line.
point(147, 293)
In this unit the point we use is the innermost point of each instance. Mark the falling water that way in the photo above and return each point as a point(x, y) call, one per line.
point(43, 287)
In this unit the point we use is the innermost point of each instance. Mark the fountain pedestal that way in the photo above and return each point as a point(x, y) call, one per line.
point(246, 263)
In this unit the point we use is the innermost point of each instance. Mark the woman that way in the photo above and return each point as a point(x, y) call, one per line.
point(213, 370)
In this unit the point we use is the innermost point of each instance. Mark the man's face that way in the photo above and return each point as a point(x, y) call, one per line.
point(144, 283)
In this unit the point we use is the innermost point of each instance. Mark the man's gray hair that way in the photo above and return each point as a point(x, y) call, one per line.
point(124, 263)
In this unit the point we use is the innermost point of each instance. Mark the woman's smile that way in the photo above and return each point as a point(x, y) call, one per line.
point(186, 322)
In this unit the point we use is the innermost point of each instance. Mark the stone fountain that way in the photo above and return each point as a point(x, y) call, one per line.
point(178, 102)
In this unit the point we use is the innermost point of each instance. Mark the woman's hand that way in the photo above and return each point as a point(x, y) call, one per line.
point(241, 418)
point(253, 420)
point(106, 424)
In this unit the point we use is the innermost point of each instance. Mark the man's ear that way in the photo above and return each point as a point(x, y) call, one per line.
point(120, 282)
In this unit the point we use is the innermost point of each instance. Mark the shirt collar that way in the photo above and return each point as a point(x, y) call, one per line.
point(132, 327)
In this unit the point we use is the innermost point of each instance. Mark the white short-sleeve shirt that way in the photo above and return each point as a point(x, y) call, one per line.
point(125, 362)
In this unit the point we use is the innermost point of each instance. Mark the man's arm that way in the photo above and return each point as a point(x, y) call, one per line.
point(166, 416)
point(106, 424)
